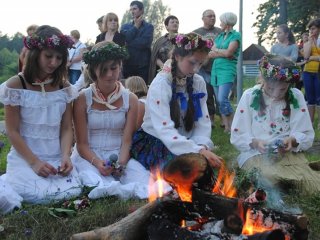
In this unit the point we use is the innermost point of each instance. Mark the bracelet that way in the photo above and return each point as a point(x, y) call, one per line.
point(94, 158)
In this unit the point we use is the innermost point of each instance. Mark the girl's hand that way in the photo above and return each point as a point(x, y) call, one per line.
point(260, 145)
point(289, 143)
point(43, 169)
point(103, 169)
point(66, 167)
point(214, 160)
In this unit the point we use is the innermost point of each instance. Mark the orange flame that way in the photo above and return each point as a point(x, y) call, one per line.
point(183, 223)
point(253, 226)
point(224, 185)
point(155, 190)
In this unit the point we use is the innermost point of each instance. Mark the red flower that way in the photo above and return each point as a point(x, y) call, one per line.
point(303, 109)
point(286, 112)
point(164, 123)
point(175, 137)
point(241, 110)
point(236, 129)
point(273, 125)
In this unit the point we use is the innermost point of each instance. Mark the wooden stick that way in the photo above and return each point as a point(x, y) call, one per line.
point(128, 228)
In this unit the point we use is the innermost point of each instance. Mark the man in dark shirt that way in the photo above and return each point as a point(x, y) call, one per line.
point(139, 36)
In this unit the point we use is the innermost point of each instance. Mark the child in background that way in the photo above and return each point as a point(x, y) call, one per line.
point(138, 86)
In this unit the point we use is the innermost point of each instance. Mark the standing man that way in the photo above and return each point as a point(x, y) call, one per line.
point(139, 36)
point(208, 31)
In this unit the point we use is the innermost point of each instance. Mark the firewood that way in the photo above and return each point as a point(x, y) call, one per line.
point(189, 169)
point(128, 228)
point(220, 207)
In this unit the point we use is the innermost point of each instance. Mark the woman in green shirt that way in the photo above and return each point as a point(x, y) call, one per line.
point(225, 53)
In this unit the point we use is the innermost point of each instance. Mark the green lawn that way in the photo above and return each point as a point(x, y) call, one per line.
point(35, 222)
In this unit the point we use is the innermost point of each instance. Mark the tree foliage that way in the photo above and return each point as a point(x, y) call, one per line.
point(155, 13)
point(271, 14)
point(12, 43)
point(8, 63)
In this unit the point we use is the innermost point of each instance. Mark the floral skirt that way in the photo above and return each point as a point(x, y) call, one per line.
point(150, 151)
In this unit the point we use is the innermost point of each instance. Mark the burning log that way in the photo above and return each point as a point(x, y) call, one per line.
point(187, 170)
point(232, 224)
point(268, 235)
point(128, 228)
point(220, 207)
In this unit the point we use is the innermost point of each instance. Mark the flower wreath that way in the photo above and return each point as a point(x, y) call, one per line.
point(192, 41)
point(55, 41)
point(111, 51)
point(272, 72)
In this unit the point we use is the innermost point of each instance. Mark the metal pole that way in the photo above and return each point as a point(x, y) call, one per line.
point(240, 58)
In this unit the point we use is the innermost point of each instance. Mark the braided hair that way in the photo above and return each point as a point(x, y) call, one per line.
point(188, 120)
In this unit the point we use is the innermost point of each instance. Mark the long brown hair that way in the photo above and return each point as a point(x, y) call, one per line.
point(31, 70)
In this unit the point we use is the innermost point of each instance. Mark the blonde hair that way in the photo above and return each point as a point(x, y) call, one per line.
point(75, 34)
point(31, 29)
point(106, 19)
point(137, 86)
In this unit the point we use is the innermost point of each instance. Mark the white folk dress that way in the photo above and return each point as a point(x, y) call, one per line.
point(284, 170)
point(40, 119)
point(157, 120)
point(105, 132)
point(273, 124)
point(9, 199)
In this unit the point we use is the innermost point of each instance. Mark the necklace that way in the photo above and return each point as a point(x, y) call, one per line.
point(42, 84)
point(114, 96)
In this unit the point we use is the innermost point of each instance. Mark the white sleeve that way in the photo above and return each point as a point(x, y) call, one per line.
point(202, 130)
point(241, 129)
point(158, 106)
point(300, 123)
point(80, 82)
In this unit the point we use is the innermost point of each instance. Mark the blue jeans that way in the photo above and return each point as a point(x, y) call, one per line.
point(222, 93)
point(74, 75)
point(311, 84)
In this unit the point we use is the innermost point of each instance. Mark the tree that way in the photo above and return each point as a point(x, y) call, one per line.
point(155, 13)
point(295, 13)
point(8, 63)
point(12, 43)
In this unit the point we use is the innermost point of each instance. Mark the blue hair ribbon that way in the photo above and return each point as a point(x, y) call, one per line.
point(197, 106)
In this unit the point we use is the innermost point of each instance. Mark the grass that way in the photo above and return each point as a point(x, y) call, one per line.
point(35, 222)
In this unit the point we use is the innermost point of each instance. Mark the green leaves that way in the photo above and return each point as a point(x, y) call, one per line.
point(61, 212)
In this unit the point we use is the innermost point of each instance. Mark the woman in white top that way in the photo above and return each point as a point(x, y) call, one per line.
point(105, 117)
point(38, 118)
point(272, 125)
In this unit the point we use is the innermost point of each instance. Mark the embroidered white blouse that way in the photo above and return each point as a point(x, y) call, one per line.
point(158, 123)
point(273, 124)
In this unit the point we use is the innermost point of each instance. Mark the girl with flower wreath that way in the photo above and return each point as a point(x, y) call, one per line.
point(176, 119)
point(272, 126)
point(105, 116)
point(38, 118)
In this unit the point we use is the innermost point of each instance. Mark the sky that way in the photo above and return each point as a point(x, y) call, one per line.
point(17, 15)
